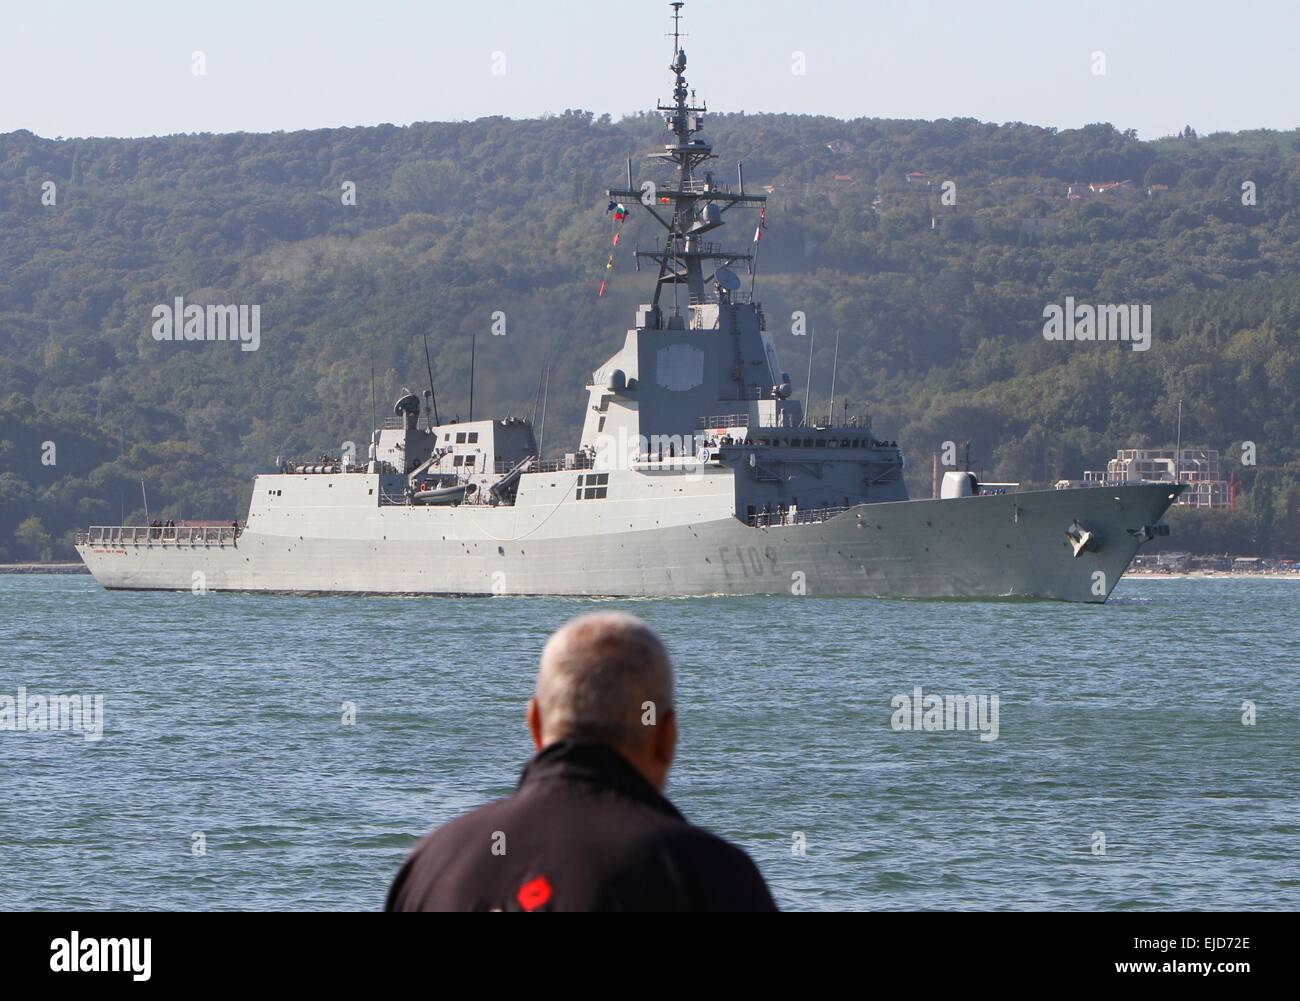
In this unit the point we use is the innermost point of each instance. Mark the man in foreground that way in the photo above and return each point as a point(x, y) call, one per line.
point(588, 828)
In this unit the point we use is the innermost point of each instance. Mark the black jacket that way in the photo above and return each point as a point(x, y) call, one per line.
point(583, 832)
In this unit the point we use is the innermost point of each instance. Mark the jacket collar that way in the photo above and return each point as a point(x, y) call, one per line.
point(595, 765)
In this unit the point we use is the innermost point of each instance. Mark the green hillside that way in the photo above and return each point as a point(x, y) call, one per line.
point(939, 308)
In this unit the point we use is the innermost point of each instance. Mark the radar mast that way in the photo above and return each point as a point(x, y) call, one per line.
point(689, 208)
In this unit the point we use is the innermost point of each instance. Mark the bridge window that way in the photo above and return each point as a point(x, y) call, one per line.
point(460, 437)
point(473, 437)
point(595, 486)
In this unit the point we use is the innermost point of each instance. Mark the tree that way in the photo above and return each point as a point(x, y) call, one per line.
point(32, 539)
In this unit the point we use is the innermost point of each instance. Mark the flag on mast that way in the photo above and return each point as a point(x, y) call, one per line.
point(762, 224)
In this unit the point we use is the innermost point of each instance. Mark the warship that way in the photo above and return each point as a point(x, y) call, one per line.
point(697, 472)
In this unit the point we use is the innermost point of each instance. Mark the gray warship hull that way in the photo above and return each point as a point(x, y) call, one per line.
point(995, 546)
point(697, 471)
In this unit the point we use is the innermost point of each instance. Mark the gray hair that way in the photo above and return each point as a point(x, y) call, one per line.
point(597, 674)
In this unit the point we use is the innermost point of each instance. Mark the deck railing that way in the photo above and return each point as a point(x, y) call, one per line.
point(810, 516)
point(724, 421)
point(150, 535)
point(579, 460)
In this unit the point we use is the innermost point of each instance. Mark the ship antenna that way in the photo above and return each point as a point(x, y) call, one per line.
point(473, 339)
point(807, 393)
point(679, 121)
point(374, 419)
point(541, 433)
point(696, 207)
point(834, 365)
point(433, 396)
point(1178, 442)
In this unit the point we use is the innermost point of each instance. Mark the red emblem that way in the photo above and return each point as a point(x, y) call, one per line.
point(534, 893)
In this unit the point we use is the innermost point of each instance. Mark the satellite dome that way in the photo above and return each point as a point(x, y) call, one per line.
point(407, 403)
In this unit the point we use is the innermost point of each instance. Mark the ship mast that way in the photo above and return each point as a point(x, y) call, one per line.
point(692, 207)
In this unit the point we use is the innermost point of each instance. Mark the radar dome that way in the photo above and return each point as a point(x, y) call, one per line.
point(728, 279)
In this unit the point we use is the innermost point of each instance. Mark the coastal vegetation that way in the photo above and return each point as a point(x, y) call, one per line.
point(931, 249)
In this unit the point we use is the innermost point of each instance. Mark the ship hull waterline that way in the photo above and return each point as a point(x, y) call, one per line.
point(995, 546)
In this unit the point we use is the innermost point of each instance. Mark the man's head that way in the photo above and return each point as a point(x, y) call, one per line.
point(606, 678)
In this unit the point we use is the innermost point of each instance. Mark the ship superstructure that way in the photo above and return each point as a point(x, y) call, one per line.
point(697, 472)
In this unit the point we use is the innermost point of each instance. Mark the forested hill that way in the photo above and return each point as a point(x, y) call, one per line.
point(939, 307)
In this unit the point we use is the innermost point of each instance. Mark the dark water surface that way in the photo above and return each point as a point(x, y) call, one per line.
point(223, 715)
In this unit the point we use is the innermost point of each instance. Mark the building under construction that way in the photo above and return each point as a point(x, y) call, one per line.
point(1194, 465)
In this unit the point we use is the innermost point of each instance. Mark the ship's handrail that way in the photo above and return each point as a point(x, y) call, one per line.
point(140, 535)
point(775, 519)
point(724, 421)
point(830, 422)
point(505, 465)
point(736, 297)
point(693, 187)
point(319, 466)
point(394, 423)
point(580, 460)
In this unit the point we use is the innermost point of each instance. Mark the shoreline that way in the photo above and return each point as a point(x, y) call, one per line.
point(1210, 574)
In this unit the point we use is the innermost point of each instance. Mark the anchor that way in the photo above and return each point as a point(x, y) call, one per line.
point(1082, 539)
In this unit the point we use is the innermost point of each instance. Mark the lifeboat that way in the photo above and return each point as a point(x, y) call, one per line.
point(456, 493)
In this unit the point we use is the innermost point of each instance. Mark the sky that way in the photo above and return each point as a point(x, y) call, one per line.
point(127, 68)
